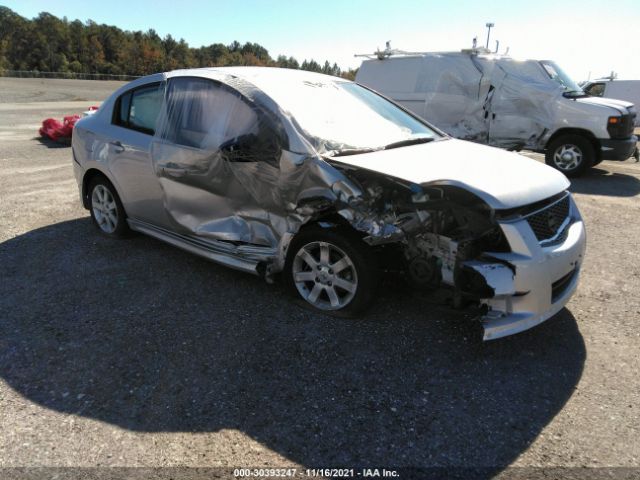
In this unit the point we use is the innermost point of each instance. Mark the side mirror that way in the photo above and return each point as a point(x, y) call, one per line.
point(264, 147)
point(240, 149)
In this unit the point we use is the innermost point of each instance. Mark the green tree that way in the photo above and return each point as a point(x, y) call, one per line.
point(49, 43)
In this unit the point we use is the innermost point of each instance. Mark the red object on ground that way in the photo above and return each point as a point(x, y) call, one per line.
point(57, 131)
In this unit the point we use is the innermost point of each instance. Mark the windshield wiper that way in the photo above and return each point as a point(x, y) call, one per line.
point(351, 151)
point(409, 141)
point(574, 93)
point(401, 143)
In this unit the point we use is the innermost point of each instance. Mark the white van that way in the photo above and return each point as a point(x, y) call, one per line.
point(497, 100)
point(628, 90)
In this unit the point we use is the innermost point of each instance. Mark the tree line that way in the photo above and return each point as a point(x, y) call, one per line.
point(47, 43)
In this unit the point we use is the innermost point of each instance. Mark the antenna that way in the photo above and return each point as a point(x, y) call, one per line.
point(387, 52)
point(489, 25)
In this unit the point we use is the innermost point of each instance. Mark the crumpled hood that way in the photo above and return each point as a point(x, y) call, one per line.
point(502, 179)
point(620, 105)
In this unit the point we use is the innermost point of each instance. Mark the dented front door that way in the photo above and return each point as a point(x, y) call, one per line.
point(216, 158)
point(518, 109)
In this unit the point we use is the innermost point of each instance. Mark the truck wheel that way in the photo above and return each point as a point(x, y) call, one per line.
point(332, 270)
point(571, 154)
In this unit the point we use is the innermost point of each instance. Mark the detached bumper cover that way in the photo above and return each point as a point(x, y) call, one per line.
point(496, 324)
point(618, 149)
point(545, 278)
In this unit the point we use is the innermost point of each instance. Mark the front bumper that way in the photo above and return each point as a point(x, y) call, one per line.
point(618, 149)
point(544, 278)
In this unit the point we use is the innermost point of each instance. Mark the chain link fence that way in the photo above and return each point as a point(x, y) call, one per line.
point(65, 75)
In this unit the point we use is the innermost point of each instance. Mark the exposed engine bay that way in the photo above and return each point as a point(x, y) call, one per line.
point(438, 235)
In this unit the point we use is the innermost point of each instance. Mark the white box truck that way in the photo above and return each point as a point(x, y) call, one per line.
point(497, 100)
point(628, 90)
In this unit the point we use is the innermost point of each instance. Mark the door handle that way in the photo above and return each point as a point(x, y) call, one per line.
point(174, 172)
point(118, 147)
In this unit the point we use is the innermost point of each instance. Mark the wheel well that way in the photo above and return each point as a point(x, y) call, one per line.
point(330, 219)
point(89, 176)
point(577, 131)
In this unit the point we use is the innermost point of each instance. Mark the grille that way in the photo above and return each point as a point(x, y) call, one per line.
point(624, 128)
point(546, 223)
point(628, 124)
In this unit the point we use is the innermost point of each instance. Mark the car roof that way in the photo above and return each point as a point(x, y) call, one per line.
point(255, 74)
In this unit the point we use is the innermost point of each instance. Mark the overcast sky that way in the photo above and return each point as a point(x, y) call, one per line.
point(587, 38)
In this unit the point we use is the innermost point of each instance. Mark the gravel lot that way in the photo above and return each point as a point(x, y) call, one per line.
point(135, 354)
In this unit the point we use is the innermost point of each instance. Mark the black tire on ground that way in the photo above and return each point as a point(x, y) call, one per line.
point(340, 240)
point(580, 152)
point(106, 209)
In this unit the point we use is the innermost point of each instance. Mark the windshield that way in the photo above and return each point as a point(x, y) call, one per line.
point(559, 75)
point(345, 118)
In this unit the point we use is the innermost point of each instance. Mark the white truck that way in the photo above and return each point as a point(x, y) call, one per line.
point(497, 100)
point(628, 90)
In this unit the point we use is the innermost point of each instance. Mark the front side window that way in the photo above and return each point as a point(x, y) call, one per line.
point(204, 115)
point(138, 109)
point(595, 89)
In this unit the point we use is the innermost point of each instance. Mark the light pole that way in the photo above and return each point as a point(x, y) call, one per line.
point(489, 25)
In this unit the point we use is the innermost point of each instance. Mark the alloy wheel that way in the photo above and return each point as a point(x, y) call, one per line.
point(324, 275)
point(104, 207)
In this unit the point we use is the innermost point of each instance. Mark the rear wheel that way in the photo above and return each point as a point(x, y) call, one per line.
point(571, 154)
point(106, 208)
point(332, 270)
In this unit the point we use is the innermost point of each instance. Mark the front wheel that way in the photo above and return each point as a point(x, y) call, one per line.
point(571, 154)
point(331, 270)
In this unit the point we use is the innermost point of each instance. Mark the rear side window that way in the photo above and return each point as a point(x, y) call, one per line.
point(138, 109)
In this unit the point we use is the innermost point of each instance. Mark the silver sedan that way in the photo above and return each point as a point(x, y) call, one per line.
point(329, 183)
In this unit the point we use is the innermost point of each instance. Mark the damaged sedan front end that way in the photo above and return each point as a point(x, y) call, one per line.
point(272, 171)
point(510, 239)
point(520, 265)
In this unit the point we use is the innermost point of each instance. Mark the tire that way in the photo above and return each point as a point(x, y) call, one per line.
point(310, 277)
point(106, 209)
point(571, 154)
point(597, 161)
